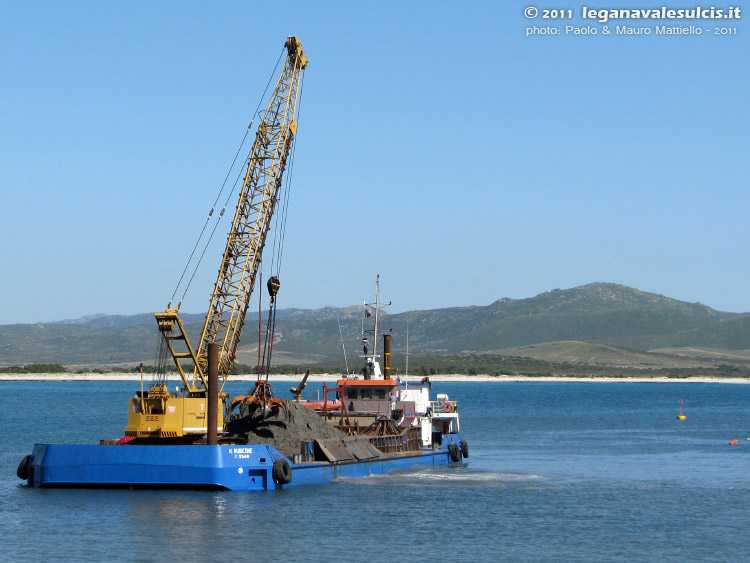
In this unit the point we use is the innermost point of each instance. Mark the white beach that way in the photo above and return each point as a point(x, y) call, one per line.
point(332, 378)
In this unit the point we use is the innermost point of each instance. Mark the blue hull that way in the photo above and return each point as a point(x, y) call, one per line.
point(235, 468)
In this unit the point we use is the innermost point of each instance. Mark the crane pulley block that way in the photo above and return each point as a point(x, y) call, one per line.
point(273, 285)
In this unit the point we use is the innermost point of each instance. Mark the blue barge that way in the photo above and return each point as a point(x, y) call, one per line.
point(253, 467)
point(407, 431)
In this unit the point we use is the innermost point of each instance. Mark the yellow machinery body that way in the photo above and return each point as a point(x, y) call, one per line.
point(160, 414)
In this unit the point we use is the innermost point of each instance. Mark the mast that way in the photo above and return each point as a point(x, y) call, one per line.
point(407, 348)
point(377, 312)
point(372, 357)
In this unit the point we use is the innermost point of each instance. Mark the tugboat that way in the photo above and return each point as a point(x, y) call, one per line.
point(374, 403)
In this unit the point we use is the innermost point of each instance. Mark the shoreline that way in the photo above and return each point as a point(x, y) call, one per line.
point(328, 378)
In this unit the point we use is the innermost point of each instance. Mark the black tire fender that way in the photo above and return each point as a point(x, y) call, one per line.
point(23, 468)
point(453, 451)
point(464, 448)
point(282, 472)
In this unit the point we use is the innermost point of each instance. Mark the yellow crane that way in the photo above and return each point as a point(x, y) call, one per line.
point(157, 413)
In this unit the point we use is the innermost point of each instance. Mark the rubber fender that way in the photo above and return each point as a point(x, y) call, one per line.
point(453, 451)
point(464, 448)
point(23, 468)
point(282, 472)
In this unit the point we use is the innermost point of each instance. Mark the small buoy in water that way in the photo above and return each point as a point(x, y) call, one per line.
point(681, 416)
point(733, 443)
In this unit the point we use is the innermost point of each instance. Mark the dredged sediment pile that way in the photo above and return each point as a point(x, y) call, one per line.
point(286, 428)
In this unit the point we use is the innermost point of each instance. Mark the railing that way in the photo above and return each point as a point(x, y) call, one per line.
point(444, 407)
point(373, 406)
point(409, 441)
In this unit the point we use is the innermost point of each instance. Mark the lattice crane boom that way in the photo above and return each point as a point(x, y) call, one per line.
point(258, 200)
point(159, 414)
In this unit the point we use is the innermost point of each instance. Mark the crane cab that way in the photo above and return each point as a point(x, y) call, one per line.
point(159, 414)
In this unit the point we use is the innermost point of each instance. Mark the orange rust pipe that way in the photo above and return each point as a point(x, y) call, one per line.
point(212, 416)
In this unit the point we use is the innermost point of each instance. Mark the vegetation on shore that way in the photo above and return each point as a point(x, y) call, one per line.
point(469, 364)
point(34, 368)
point(495, 365)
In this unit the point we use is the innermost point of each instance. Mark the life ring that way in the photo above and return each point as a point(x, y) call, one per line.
point(282, 472)
point(23, 468)
point(464, 448)
point(454, 453)
point(448, 407)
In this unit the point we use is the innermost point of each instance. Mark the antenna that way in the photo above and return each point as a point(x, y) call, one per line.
point(407, 348)
point(342, 343)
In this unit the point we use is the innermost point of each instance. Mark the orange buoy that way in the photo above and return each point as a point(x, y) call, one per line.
point(733, 443)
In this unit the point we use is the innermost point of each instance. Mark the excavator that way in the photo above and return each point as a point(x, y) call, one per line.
point(157, 415)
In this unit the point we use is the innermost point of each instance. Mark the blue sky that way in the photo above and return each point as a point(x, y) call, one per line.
point(438, 146)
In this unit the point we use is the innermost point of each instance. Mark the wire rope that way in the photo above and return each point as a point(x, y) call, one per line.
point(281, 220)
point(260, 319)
point(218, 196)
point(162, 363)
point(213, 232)
point(278, 251)
point(210, 213)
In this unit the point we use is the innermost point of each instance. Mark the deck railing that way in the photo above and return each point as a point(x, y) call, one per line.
point(409, 441)
point(443, 407)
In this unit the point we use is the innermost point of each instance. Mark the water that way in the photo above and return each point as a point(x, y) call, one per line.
point(557, 471)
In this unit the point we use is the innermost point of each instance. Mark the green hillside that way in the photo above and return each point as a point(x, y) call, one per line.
point(607, 315)
point(598, 313)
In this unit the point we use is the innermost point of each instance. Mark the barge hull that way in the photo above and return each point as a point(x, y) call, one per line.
point(221, 467)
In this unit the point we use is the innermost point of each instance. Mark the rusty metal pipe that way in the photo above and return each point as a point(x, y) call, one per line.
point(387, 356)
point(212, 414)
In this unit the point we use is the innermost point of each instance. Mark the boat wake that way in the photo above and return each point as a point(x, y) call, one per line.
point(443, 476)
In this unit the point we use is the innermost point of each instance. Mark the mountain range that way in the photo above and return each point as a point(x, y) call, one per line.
point(605, 316)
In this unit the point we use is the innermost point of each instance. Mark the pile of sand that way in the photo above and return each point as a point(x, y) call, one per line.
point(285, 429)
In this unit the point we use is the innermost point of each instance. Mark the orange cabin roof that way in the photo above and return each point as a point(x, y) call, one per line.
point(367, 382)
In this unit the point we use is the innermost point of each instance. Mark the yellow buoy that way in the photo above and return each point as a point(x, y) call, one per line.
point(681, 416)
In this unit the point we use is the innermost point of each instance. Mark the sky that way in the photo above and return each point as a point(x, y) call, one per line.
point(440, 146)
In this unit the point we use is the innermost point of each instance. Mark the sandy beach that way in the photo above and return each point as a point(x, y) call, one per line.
point(331, 378)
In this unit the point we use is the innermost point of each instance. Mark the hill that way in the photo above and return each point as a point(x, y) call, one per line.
point(103, 320)
point(598, 313)
point(609, 316)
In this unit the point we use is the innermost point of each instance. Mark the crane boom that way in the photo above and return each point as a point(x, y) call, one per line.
point(252, 219)
point(258, 200)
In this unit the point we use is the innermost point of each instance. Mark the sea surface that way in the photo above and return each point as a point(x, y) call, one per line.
point(557, 472)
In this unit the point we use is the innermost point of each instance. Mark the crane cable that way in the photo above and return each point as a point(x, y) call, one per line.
point(278, 250)
point(280, 230)
point(210, 213)
point(221, 190)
